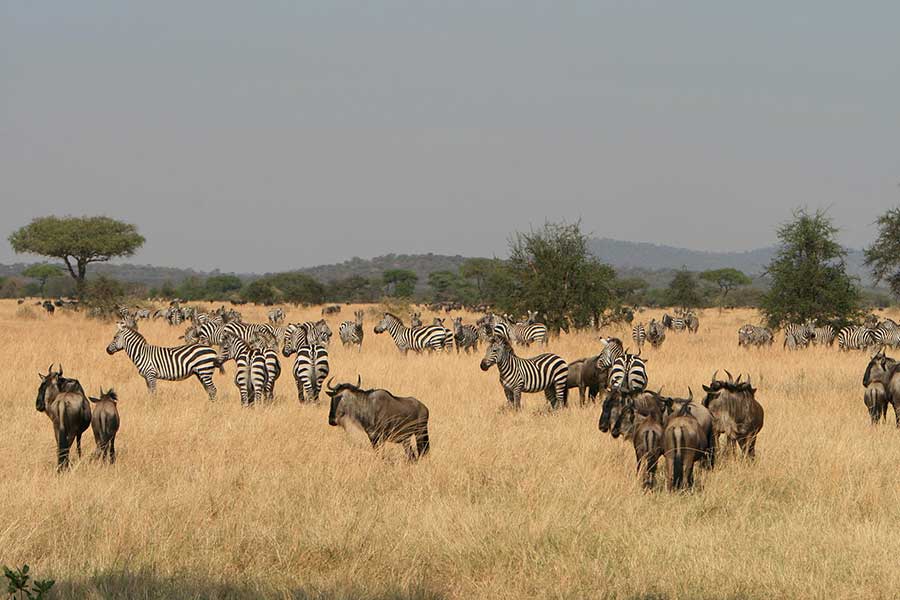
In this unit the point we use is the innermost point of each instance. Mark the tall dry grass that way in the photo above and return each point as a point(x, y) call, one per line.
point(211, 500)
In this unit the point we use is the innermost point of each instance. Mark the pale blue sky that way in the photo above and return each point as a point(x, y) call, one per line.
point(264, 136)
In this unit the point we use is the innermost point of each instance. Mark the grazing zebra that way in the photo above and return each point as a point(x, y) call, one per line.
point(628, 374)
point(673, 323)
point(466, 336)
point(351, 332)
point(169, 364)
point(429, 338)
point(797, 336)
point(823, 336)
point(297, 335)
point(855, 337)
point(751, 335)
point(886, 334)
point(276, 316)
point(639, 335)
point(310, 370)
point(544, 372)
point(656, 333)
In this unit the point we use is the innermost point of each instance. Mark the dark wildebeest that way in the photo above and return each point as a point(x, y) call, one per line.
point(64, 402)
point(105, 424)
point(574, 378)
point(683, 444)
point(704, 419)
point(885, 371)
point(612, 417)
point(647, 438)
point(383, 416)
point(735, 412)
point(876, 401)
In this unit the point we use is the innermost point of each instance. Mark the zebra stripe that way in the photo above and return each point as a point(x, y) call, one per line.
point(612, 350)
point(310, 370)
point(855, 337)
point(167, 363)
point(351, 332)
point(628, 374)
point(466, 336)
point(421, 338)
point(797, 336)
point(297, 335)
point(823, 336)
point(639, 335)
point(544, 372)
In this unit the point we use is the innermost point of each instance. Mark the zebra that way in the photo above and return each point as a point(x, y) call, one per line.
point(465, 336)
point(351, 332)
point(673, 323)
point(525, 333)
point(143, 313)
point(751, 335)
point(310, 370)
point(276, 316)
point(855, 337)
point(691, 322)
point(544, 372)
point(236, 349)
point(167, 363)
point(297, 335)
point(823, 336)
point(628, 374)
point(656, 333)
point(430, 337)
point(415, 319)
point(612, 349)
point(439, 322)
point(797, 336)
point(639, 335)
point(887, 333)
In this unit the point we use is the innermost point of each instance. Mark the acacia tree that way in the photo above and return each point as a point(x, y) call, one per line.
point(883, 257)
point(77, 241)
point(400, 282)
point(726, 279)
point(683, 290)
point(809, 277)
point(42, 272)
point(552, 272)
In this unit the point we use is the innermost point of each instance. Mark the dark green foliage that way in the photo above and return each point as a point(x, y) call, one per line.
point(726, 279)
point(809, 280)
point(42, 272)
point(883, 257)
point(191, 288)
point(20, 585)
point(447, 286)
point(551, 271)
point(218, 287)
point(167, 290)
point(77, 241)
point(353, 289)
point(297, 288)
point(684, 291)
point(400, 282)
point(630, 290)
point(259, 292)
point(102, 296)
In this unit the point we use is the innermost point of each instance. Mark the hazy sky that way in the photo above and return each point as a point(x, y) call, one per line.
point(258, 136)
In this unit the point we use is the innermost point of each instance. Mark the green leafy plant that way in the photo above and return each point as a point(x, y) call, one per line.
point(21, 586)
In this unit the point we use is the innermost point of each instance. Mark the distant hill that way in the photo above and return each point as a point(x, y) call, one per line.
point(657, 264)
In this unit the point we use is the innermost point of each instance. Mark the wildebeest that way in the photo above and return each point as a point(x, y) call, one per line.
point(704, 419)
point(656, 333)
point(647, 438)
point(876, 401)
point(105, 424)
point(617, 423)
point(885, 371)
point(383, 416)
point(64, 402)
point(683, 444)
point(331, 310)
point(735, 412)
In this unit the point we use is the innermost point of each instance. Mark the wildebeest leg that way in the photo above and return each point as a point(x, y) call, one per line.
point(78, 443)
point(581, 393)
point(99, 450)
point(408, 448)
point(751, 446)
point(422, 442)
point(709, 461)
point(896, 405)
point(62, 447)
point(111, 447)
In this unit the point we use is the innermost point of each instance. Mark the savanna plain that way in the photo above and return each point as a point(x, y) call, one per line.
point(209, 500)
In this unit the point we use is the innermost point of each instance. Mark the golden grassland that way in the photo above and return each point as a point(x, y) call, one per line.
point(209, 500)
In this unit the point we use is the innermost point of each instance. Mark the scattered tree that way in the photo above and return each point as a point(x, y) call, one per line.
point(103, 296)
point(683, 291)
point(42, 272)
point(218, 287)
point(809, 278)
point(400, 282)
point(726, 279)
point(883, 257)
point(77, 241)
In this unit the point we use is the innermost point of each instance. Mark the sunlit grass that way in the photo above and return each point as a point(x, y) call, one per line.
point(212, 500)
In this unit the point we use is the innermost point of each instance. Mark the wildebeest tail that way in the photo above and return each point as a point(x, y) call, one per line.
point(677, 458)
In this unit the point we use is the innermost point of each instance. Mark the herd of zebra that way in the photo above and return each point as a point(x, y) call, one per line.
point(874, 333)
point(655, 332)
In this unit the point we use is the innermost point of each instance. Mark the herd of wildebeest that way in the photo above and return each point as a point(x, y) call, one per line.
point(678, 431)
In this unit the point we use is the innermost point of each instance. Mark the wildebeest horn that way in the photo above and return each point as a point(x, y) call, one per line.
point(739, 378)
point(690, 394)
point(358, 380)
point(50, 369)
point(716, 374)
point(328, 384)
point(748, 380)
point(60, 369)
point(730, 378)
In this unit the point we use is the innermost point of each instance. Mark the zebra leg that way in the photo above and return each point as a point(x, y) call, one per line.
point(301, 397)
point(150, 378)
point(209, 386)
point(517, 399)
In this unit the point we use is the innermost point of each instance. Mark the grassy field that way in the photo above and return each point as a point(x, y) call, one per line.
point(209, 500)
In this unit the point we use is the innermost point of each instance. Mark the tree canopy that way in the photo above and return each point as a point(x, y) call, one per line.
point(726, 279)
point(883, 257)
point(77, 241)
point(683, 291)
point(809, 278)
point(400, 282)
point(42, 272)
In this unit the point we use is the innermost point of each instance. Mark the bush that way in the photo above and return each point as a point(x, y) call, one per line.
point(102, 297)
point(20, 588)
